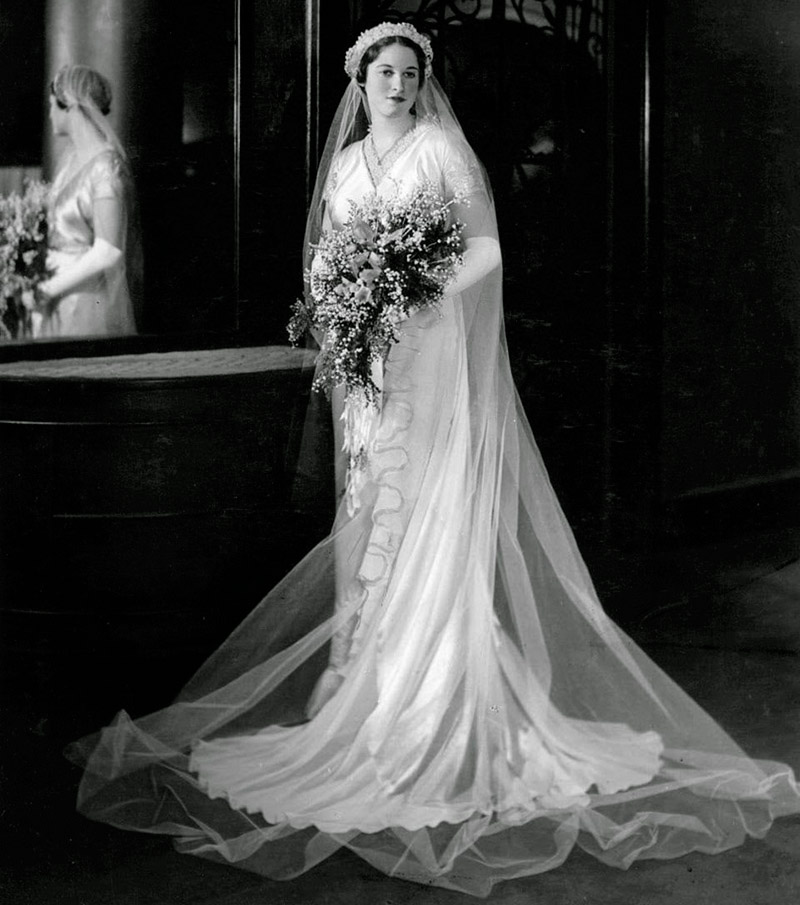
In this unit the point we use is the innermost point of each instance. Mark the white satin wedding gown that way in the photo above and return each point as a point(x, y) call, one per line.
point(101, 306)
point(486, 716)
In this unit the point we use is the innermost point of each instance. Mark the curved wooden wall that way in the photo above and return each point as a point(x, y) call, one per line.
point(154, 485)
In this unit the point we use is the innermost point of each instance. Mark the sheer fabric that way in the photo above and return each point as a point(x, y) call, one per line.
point(483, 715)
point(78, 202)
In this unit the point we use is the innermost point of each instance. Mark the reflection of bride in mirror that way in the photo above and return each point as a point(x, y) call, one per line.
point(89, 216)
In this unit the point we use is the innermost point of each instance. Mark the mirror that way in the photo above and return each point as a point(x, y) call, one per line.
point(175, 72)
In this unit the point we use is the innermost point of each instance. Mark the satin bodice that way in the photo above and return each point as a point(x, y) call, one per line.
point(71, 220)
point(424, 155)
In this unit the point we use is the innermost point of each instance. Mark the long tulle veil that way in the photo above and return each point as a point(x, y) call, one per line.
point(570, 678)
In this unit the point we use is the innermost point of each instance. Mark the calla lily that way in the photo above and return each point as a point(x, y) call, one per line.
point(363, 232)
point(363, 295)
point(368, 276)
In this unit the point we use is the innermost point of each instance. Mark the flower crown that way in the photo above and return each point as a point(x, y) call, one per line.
point(386, 30)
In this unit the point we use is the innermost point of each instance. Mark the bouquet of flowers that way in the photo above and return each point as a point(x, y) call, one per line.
point(393, 256)
point(23, 256)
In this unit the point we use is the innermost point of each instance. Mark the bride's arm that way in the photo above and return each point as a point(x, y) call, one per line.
point(481, 257)
point(105, 253)
point(466, 183)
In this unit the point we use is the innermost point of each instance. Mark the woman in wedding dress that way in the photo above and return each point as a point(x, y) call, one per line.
point(435, 686)
point(91, 236)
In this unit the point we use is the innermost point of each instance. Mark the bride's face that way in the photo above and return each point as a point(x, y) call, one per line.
point(392, 82)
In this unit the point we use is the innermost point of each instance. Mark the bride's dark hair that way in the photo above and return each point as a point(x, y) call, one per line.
point(372, 52)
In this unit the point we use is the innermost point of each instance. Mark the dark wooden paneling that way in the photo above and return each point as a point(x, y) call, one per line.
point(124, 496)
point(731, 412)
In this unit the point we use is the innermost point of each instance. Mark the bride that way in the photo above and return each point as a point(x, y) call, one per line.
point(91, 237)
point(435, 686)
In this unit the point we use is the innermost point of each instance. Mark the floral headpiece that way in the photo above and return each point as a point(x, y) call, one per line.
point(386, 30)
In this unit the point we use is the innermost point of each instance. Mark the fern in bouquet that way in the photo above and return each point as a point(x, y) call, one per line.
point(23, 256)
point(393, 255)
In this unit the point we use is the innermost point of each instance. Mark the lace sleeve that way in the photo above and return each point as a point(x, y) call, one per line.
point(106, 178)
point(333, 179)
point(107, 190)
point(464, 179)
point(462, 173)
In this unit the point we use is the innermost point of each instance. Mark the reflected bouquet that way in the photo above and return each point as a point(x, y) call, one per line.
point(393, 255)
point(23, 256)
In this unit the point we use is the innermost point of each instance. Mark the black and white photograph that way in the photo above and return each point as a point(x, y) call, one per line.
point(400, 452)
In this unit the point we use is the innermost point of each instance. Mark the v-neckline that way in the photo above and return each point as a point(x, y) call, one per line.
point(378, 167)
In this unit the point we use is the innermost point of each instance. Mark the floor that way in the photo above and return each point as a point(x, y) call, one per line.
point(725, 623)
